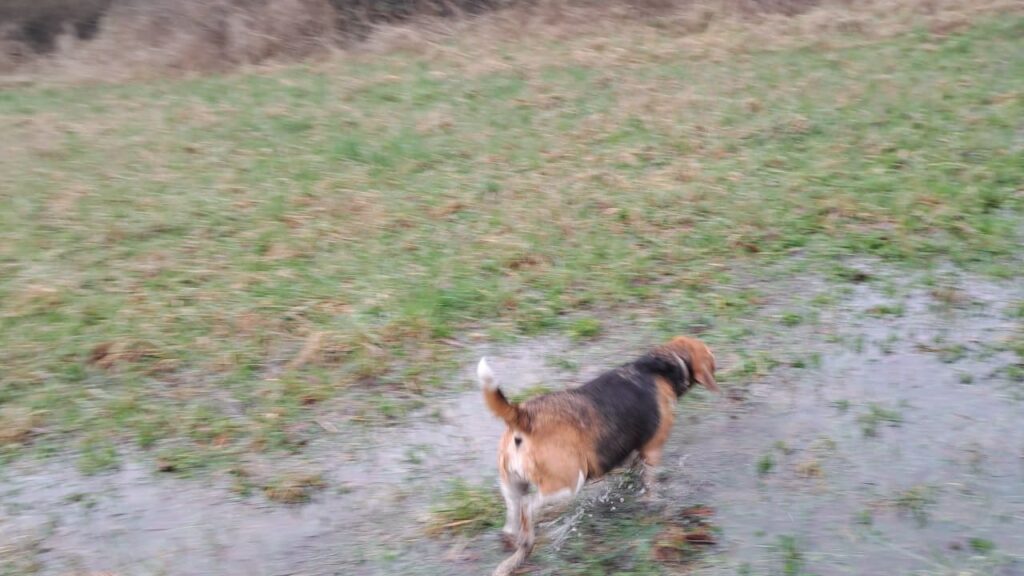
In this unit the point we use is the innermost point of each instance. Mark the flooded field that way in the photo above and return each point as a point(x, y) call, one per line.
point(883, 436)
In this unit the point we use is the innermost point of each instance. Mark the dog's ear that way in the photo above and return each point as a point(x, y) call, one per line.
point(701, 360)
point(704, 369)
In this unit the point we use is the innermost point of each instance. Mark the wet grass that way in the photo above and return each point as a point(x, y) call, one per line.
point(982, 545)
point(606, 533)
point(791, 556)
point(530, 392)
point(16, 425)
point(97, 455)
point(615, 537)
point(876, 416)
point(584, 328)
point(916, 501)
point(293, 488)
point(198, 268)
point(466, 509)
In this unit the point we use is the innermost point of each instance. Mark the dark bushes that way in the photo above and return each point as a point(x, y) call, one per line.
point(209, 34)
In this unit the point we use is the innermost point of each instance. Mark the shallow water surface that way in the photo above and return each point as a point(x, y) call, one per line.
point(889, 439)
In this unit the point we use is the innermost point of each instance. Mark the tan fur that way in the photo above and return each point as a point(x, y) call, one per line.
point(501, 407)
point(700, 358)
point(557, 446)
point(651, 452)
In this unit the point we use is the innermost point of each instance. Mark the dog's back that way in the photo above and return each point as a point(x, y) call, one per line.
point(557, 441)
point(627, 401)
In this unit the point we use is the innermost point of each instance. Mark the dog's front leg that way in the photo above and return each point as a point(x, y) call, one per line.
point(646, 462)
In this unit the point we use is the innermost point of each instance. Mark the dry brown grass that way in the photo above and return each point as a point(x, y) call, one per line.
point(713, 29)
point(294, 488)
point(16, 425)
point(161, 36)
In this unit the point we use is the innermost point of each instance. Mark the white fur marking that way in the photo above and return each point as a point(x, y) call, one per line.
point(485, 376)
point(513, 507)
point(539, 500)
point(579, 484)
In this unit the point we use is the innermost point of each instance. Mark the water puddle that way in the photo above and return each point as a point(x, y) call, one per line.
point(888, 440)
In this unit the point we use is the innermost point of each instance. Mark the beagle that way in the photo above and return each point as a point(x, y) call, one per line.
point(555, 442)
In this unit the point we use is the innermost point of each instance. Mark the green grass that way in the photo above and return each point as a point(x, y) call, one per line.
point(209, 263)
point(791, 319)
point(886, 310)
point(876, 416)
point(531, 392)
point(584, 328)
point(791, 556)
point(97, 455)
point(982, 545)
point(624, 537)
point(916, 501)
point(865, 517)
point(466, 508)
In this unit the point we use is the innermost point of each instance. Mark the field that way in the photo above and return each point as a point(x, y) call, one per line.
point(265, 287)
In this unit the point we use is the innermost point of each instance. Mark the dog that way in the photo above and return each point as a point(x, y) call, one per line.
point(556, 442)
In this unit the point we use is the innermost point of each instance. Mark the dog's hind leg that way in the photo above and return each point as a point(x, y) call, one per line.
point(530, 507)
point(524, 538)
point(515, 494)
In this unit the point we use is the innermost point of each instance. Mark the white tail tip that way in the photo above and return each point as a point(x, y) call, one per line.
point(485, 376)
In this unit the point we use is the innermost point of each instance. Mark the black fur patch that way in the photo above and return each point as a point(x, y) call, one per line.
point(667, 367)
point(627, 400)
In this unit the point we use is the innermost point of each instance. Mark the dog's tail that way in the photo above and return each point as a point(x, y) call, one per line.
point(495, 398)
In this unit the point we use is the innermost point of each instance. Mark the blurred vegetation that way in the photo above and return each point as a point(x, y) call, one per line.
point(211, 263)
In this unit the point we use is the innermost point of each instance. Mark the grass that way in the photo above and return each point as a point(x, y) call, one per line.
point(530, 392)
point(97, 455)
point(562, 363)
point(210, 263)
point(876, 416)
point(886, 310)
point(618, 537)
point(953, 353)
point(293, 488)
point(16, 424)
point(791, 319)
point(982, 545)
point(466, 508)
point(916, 501)
point(865, 517)
point(810, 469)
point(792, 557)
point(584, 328)
point(610, 536)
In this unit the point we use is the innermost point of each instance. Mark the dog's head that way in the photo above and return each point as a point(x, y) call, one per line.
point(699, 359)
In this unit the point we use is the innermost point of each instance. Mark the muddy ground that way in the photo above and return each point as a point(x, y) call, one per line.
point(883, 436)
